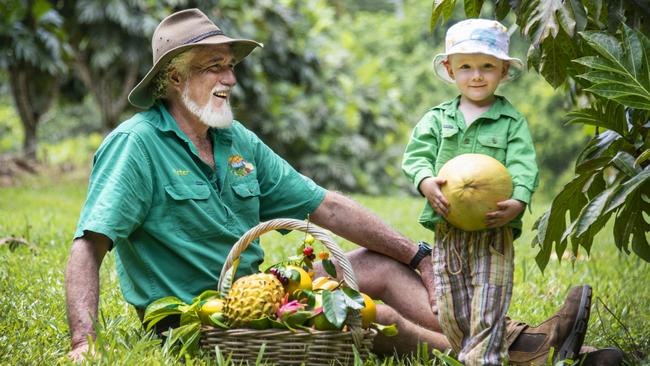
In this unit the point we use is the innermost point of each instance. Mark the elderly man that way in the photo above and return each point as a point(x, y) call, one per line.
point(175, 186)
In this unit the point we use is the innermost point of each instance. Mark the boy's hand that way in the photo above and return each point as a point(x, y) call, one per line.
point(507, 210)
point(430, 188)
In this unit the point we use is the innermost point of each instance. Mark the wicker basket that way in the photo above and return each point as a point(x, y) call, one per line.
point(285, 347)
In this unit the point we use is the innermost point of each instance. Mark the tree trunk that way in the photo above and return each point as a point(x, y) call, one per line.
point(32, 101)
point(111, 99)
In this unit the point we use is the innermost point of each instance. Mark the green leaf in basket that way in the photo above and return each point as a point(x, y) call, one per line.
point(218, 320)
point(297, 318)
point(207, 294)
point(387, 330)
point(329, 267)
point(190, 317)
point(277, 324)
point(335, 307)
point(353, 298)
point(292, 274)
point(162, 308)
point(260, 324)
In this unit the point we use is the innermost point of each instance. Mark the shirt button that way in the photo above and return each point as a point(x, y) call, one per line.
point(466, 141)
point(494, 141)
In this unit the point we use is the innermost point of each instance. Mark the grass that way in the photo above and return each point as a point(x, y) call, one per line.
point(44, 210)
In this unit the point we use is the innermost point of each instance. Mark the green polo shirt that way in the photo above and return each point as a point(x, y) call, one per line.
point(501, 132)
point(173, 219)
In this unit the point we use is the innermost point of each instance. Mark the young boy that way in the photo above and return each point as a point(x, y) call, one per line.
point(474, 270)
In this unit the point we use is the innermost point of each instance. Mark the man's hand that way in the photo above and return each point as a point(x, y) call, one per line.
point(430, 188)
point(507, 211)
point(82, 288)
point(426, 273)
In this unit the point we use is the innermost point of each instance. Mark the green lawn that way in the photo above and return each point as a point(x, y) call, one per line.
point(33, 328)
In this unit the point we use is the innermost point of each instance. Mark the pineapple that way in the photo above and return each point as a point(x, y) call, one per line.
point(253, 297)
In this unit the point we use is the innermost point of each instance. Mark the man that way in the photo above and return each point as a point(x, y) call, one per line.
point(175, 186)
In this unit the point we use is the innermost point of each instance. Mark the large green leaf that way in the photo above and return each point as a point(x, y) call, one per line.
point(627, 61)
point(626, 189)
point(538, 19)
point(592, 211)
point(473, 8)
point(609, 115)
point(555, 59)
point(335, 307)
point(501, 9)
point(441, 7)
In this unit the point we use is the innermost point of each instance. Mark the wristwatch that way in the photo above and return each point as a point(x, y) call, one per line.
point(424, 250)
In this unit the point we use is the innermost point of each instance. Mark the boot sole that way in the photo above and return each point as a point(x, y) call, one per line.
point(571, 346)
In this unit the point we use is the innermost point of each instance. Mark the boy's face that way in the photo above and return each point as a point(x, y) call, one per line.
point(477, 76)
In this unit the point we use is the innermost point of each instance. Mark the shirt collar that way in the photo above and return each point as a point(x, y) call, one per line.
point(501, 107)
point(168, 123)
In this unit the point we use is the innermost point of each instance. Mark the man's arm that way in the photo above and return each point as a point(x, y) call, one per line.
point(82, 288)
point(353, 222)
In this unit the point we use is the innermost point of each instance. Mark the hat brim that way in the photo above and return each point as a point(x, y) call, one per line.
point(142, 96)
point(514, 71)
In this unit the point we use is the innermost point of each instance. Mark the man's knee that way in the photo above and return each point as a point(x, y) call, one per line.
point(387, 315)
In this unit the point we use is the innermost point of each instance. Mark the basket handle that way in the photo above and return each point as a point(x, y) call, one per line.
point(291, 224)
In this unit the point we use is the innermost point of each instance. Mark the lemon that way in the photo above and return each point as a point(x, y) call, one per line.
point(369, 312)
point(210, 307)
point(324, 283)
point(303, 284)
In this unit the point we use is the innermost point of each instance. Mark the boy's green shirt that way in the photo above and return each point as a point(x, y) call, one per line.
point(501, 132)
point(171, 217)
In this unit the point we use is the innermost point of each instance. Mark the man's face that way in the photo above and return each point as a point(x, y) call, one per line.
point(206, 92)
point(477, 76)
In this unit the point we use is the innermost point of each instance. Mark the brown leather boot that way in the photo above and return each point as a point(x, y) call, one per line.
point(602, 357)
point(564, 332)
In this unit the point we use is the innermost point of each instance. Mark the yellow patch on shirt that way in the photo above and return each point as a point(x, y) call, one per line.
point(181, 172)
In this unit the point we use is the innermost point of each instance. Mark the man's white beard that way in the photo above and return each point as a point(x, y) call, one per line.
point(220, 118)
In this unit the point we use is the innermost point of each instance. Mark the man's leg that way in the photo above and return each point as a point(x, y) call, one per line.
point(399, 287)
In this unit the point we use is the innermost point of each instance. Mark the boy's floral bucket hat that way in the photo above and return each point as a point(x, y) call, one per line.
point(484, 36)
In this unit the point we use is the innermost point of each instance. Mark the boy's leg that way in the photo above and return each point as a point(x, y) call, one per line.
point(401, 288)
point(453, 285)
point(492, 262)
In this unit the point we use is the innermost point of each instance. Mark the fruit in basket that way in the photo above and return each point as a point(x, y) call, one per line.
point(475, 183)
point(303, 283)
point(369, 312)
point(253, 297)
point(319, 321)
point(210, 307)
point(324, 283)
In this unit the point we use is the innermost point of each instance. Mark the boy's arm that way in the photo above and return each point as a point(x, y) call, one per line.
point(419, 157)
point(520, 161)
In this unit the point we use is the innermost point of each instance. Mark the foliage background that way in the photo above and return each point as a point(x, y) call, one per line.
point(336, 91)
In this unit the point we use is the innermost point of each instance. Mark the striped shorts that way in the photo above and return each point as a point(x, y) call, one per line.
point(473, 278)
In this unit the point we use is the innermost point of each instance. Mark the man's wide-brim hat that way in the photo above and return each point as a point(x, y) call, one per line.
point(472, 36)
point(175, 34)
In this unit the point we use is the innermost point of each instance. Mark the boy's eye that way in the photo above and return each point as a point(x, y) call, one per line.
point(464, 66)
point(488, 66)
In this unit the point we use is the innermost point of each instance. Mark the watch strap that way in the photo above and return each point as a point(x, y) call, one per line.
point(424, 250)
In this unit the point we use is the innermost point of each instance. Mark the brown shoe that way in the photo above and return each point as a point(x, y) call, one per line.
point(564, 332)
point(602, 357)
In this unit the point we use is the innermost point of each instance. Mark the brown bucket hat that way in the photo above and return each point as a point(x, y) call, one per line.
point(176, 33)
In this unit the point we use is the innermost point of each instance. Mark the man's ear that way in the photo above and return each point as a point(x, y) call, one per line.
point(175, 80)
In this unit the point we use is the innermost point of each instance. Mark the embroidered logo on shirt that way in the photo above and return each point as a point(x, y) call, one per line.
point(239, 166)
point(181, 172)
